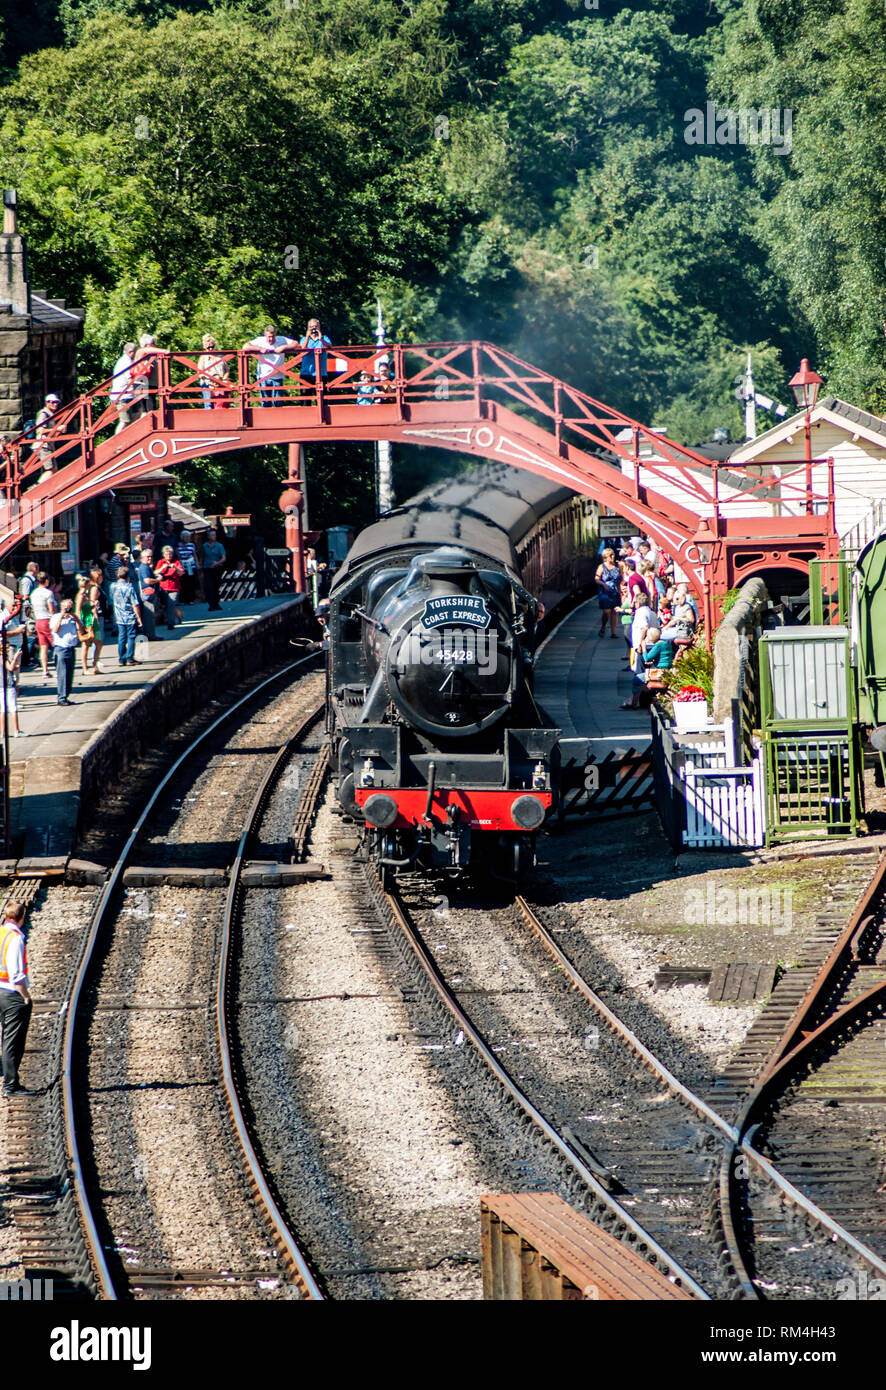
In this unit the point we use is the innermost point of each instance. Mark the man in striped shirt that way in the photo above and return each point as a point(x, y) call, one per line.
point(127, 616)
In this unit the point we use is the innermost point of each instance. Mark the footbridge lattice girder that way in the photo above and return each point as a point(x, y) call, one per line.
point(470, 398)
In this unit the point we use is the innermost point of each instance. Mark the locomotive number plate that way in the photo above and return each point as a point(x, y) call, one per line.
point(452, 657)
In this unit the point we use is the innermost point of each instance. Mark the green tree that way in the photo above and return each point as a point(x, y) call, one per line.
point(822, 224)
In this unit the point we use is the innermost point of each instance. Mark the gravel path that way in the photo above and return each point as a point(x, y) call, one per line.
point(370, 1156)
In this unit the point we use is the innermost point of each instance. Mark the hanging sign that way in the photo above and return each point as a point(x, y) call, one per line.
point(48, 540)
point(615, 526)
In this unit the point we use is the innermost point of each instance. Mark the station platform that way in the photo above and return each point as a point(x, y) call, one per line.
point(67, 752)
point(581, 682)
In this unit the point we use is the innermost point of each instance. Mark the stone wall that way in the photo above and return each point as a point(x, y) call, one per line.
point(741, 620)
point(33, 361)
point(14, 330)
point(50, 364)
point(184, 689)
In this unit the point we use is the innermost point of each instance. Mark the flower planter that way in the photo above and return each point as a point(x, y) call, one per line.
point(690, 716)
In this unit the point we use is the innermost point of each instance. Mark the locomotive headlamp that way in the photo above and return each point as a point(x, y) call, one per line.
point(539, 777)
point(380, 810)
point(367, 776)
point(526, 811)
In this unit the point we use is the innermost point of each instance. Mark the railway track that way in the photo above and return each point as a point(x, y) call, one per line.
point(69, 1236)
point(590, 1183)
point(812, 1123)
point(770, 1201)
point(762, 1203)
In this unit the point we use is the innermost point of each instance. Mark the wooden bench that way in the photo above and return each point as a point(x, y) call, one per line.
point(535, 1246)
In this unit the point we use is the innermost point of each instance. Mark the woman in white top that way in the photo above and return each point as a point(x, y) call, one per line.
point(214, 375)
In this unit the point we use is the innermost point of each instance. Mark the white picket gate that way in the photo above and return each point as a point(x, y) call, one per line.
point(720, 802)
point(724, 805)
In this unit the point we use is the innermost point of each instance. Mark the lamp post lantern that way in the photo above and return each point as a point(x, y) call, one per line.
point(805, 386)
point(704, 541)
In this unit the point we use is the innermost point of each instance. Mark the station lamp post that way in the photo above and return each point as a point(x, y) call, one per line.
point(291, 502)
point(704, 541)
point(805, 386)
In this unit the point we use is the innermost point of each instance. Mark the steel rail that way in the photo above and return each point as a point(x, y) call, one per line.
point(618, 1026)
point(666, 1076)
point(794, 1045)
point(735, 1134)
point(287, 1245)
point(432, 973)
point(302, 825)
point(871, 1002)
point(105, 1286)
point(833, 962)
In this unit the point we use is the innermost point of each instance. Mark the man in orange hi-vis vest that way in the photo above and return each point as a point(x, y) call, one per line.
point(15, 997)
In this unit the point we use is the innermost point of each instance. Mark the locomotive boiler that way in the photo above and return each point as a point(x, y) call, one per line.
point(439, 749)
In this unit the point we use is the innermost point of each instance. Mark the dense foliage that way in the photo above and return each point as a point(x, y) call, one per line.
point(512, 169)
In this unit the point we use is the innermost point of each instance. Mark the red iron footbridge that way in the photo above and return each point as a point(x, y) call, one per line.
point(720, 522)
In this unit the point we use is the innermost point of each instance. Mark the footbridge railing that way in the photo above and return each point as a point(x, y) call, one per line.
point(468, 396)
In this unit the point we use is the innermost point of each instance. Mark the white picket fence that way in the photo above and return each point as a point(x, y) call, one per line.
point(721, 802)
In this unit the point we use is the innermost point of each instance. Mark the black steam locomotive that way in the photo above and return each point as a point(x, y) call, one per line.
point(438, 746)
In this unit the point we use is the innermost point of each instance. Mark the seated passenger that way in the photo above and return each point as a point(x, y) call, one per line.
point(681, 628)
point(367, 391)
point(658, 651)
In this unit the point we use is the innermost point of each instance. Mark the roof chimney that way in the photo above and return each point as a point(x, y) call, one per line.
point(13, 265)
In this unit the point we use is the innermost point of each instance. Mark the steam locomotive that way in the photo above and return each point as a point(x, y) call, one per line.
point(439, 749)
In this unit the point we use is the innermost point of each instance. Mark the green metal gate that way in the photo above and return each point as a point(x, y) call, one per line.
point(829, 591)
point(810, 737)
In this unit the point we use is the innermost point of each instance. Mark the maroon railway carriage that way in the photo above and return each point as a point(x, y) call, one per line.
point(438, 746)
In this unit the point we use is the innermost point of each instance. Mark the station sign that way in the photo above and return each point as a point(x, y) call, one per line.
point(228, 522)
point(48, 540)
point(615, 526)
